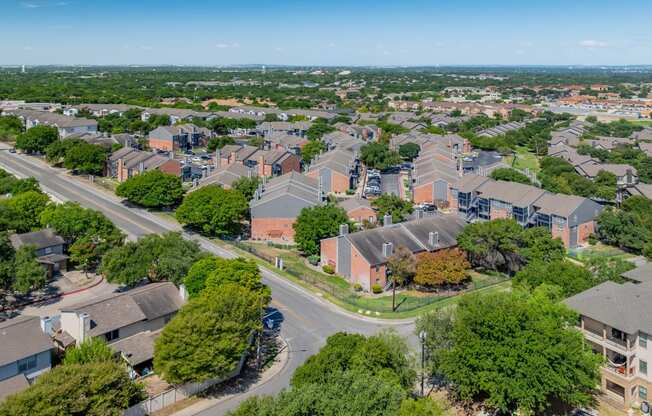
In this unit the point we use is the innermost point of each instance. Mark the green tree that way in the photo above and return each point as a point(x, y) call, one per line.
point(30, 275)
point(209, 334)
point(511, 175)
point(213, 210)
point(93, 389)
point(394, 205)
point(312, 149)
point(571, 278)
point(519, 352)
point(92, 350)
point(318, 129)
point(86, 158)
point(378, 156)
point(605, 183)
point(37, 138)
point(424, 406)
point(153, 257)
point(219, 142)
point(316, 223)
point(152, 189)
point(26, 209)
point(215, 271)
point(409, 151)
point(247, 186)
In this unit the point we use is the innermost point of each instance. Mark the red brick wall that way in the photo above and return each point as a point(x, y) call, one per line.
point(361, 214)
point(160, 144)
point(423, 193)
point(339, 182)
point(292, 163)
point(563, 234)
point(171, 167)
point(261, 228)
point(584, 231)
point(452, 202)
point(499, 213)
point(360, 270)
point(329, 251)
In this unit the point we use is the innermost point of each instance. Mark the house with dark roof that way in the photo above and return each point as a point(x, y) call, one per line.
point(49, 249)
point(616, 322)
point(278, 202)
point(126, 162)
point(66, 126)
point(25, 353)
point(118, 317)
point(169, 139)
point(273, 162)
point(225, 176)
point(568, 217)
point(337, 170)
point(362, 256)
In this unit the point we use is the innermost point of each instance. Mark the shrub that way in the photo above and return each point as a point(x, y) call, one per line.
point(314, 259)
point(593, 240)
point(327, 268)
point(357, 287)
point(376, 289)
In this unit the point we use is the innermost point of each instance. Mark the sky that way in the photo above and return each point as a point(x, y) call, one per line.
point(325, 33)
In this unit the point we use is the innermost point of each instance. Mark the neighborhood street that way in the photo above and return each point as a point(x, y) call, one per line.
point(306, 320)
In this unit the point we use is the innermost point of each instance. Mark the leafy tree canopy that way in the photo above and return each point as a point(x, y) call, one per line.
point(394, 205)
point(215, 271)
point(511, 175)
point(152, 189)
point(213, 210)
point(316, 223)
point(37, 139)
point(378, 156)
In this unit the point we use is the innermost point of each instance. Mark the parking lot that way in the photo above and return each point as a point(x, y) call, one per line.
point(373, 186)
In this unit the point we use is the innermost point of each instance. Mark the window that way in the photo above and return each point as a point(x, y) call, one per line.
point(642, 392)
point(111, 335)
point(27, 363)
point(642, 340)
point(642, 366)
point(48, 250)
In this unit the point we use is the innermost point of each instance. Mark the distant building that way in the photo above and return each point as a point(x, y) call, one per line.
point(66, 126)
point(49, 249)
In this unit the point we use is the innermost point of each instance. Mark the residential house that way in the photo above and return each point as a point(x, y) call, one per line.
point(49, 249)
point(226, 175)
point(615, 321)
point(274, 162)
point(278, 202)
point(358, 210)
point(169, 139)
point(645, 134)
point(175, 114)
point(100, 110)
point(569, 217)
point(66, 126)
point(270, 128)
point(25, 353)
point(282, 141)
point(119, 317)
point(362, 256)
point(501, 129)
point(337, 170)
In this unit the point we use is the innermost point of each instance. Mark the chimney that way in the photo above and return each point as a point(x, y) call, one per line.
point(84, 327)
point(141, 167)
point(388, 249)
point(218, 157)
point(387, 220)
point(46, 325)
point(418, 213)
point(344, 229)
point(433, 238)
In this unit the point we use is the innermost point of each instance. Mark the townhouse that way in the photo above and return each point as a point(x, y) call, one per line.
point(176, 115)
point(358, 210)
point(266, 162)
point(501, 129)
point(568, 217)
point(225, 176)
point(66, 126)
point(282, 141)
point(127, 162)
point(128, 321)
point(25, 354)
point(278, 202)
point(366, 132)
point(615, 320)
point(362, 256)
point(49, 249)
point(337, 170)
point(179, 137)
point(270, 128)
point(100, 110)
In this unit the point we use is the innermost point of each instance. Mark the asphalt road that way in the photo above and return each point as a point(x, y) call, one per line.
point(306, 320)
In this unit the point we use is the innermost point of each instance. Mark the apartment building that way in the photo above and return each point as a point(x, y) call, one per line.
point(615, 320)
point(274, 162)
point(569, 217)
point(278, 202)
point(358, 210)
point(337, 170)
point(362, 256)
point(66, 126)
point(127, 162)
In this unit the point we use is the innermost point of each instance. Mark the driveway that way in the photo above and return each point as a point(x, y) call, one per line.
point(390, 183)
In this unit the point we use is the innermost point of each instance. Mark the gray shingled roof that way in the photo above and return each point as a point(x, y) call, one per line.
point(137, 348)
point(39, 239)
point(514, 193)
point(22, 337)
point(642, 273)
point(559, 204)
point(411, 234)
point(622, 306)
point(12, 385)
point(354, 203)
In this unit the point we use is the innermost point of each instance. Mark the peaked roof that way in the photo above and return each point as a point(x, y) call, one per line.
point(39, 239)
point(21, 337)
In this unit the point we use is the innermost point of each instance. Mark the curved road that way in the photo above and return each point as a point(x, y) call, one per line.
point(306, 319)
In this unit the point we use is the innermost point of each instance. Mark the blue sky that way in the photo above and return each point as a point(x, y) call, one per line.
point(334, 32)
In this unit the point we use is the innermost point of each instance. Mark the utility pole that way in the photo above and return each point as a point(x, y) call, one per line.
point(422, 337)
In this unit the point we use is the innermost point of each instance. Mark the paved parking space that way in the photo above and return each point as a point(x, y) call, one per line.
point(390, 184)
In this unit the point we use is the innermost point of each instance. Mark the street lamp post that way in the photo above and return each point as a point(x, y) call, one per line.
point(422, 337)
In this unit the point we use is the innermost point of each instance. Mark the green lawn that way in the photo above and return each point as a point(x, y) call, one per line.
point(599, 250)
point(337, 290)
point(524, 160)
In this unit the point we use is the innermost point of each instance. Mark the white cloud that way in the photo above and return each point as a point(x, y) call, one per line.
point(30, 5)
point(593, 44)
point(227, 45)
point(38, 4)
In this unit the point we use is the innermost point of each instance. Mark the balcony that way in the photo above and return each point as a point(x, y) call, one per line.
point(615, 344)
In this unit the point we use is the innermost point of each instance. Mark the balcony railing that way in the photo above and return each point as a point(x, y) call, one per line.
point(612, 343)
